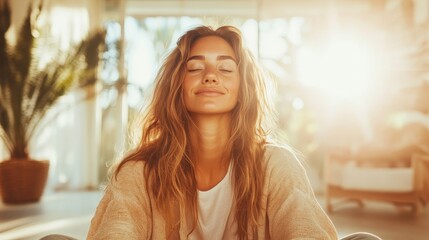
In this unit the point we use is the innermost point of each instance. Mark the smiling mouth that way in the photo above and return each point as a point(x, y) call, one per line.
point(209, 92)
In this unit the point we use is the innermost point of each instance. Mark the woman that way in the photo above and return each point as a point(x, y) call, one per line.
point(204, 168)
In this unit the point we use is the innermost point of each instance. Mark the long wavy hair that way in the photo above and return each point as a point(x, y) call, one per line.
point(165, 141)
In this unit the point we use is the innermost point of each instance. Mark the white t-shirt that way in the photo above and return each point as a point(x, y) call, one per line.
point(214, 207)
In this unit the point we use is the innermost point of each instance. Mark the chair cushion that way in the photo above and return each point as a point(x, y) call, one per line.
point(349, 176)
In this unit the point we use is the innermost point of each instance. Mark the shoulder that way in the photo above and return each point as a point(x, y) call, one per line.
point(129, 171)
point(283, 165)
point(128, 180)
point(132, 166)
point(281, 156)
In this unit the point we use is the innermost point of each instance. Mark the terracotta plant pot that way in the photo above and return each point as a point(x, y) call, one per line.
point(23, 180)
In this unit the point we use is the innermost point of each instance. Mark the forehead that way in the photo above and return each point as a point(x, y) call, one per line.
point(212, 44)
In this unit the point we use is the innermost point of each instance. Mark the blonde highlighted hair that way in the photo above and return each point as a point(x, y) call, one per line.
point(165, 142)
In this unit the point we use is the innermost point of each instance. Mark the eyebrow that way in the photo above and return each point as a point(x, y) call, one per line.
point(221, 57)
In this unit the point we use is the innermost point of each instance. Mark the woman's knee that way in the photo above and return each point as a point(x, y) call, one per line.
point(57, 237)
point(361, 236)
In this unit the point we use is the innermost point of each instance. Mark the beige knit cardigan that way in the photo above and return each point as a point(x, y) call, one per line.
point(291, 211)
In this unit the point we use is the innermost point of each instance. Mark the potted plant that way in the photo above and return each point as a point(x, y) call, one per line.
point(27, 93)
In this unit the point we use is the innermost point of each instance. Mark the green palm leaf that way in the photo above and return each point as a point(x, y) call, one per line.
point(27, 93)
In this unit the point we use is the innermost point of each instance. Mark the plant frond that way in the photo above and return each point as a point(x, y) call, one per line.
point(28, 91)
point(22, 53)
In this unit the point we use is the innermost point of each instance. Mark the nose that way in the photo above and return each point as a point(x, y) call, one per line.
point(210, 78)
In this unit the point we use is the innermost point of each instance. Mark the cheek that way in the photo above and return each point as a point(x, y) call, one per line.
point(235, 86)
point(187, 84)
point(236, 89)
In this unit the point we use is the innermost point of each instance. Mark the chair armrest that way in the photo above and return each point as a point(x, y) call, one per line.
point(421, 157)
point(420, 162)
point(339, 155)
point(375, 156)
point(420, 165)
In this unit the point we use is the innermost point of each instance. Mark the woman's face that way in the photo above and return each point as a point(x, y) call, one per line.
point(212, 79)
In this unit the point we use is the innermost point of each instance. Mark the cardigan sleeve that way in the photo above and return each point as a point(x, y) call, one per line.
point(124, 211)
point(293, 211)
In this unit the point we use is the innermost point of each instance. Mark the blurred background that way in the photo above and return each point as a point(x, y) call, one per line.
point(348, 73)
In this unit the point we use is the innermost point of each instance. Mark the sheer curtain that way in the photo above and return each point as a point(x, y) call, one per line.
point(69, 137)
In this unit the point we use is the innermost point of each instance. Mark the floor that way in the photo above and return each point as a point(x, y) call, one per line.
point(66, 213)
point(382, 219)
point(70, 213)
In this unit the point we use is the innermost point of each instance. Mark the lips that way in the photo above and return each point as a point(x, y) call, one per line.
point(209, 92)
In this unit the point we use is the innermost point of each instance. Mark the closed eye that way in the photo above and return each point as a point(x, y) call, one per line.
point(194, 70)
point(227, 66)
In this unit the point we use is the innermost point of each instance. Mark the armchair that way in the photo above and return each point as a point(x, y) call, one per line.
point(400, 183)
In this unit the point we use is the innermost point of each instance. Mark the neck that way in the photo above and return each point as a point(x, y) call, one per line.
point(209, 136)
